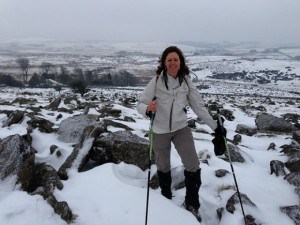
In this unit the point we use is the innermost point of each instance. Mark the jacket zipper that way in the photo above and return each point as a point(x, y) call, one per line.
point(171, 112)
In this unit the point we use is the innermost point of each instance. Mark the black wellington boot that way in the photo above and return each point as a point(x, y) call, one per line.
point(192, 184)
point(165, 181)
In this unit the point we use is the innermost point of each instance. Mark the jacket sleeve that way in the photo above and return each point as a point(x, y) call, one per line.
point(146, 97)
point(198, 106)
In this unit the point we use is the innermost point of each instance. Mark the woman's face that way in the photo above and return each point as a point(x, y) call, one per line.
point(173, 64)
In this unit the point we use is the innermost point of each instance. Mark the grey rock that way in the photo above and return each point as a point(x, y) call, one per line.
point(123, 146)
point(76, 160)
point(293, 178)
point(237, 139)
point(221, 172)
point(277, 167)
point(42, 124)
point(54, 104)
point(296, 136)
point(17, 158)
point(14, 118)
point(272, 146)
point(293, 212)
point(243, 129)
point(71, 129)
point(234, 199)
point(270, 123)
point(235, 154)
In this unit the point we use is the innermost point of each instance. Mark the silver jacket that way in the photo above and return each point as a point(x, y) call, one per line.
point(170, 115)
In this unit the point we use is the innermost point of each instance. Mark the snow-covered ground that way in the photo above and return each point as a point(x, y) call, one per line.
point(115, 194)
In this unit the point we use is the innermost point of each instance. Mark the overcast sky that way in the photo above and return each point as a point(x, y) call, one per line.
point(267, 21)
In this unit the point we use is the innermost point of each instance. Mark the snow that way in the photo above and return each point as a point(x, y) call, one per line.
point(115, 194)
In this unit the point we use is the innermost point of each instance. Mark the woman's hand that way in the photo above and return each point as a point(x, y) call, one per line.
point(152, 106)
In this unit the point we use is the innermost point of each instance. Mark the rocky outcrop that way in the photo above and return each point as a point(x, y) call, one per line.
point(121, 146)
point(42, 124)
point(243, 129)
point(43, 181)
point(234, 199)
point(79, 155)
point(230, 207)
point(14, 118)
point(235, 154)
point(71, 129)
point(54, 104)
point(296, 136)
point(277, 167)
point(237, 139)
point(293, 178)
point(17, 158)
point(108, 110)
point(270, 123)
point(293, 212)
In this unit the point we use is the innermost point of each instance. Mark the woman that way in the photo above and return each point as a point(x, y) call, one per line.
point(167, 95)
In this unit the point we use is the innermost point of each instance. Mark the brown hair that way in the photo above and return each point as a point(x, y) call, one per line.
point(184, 70)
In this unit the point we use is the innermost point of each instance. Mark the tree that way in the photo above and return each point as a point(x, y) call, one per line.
point(63, 70)
point(79, 86)
point(34, 81)
point(124, 78)
point(10, 81)
point(64, 75)
point(24, 65)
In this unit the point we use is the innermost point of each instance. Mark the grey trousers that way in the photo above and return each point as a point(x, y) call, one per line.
point(184, 144)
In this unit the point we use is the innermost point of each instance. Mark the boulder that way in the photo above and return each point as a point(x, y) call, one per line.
point(71, 129)
point(234, 199)
point(293, 166)
point(54, 104)
point(108, 110)
point(237, 139)
point(244, 129)
point(221, 172)
point(24, 101)
point(277, 167)
point(293, 178)
point(17, 158)
point(44, 179)
point(292, 212)
point(122, 146)
point(296, 136)
point(291, 117)
point(79, 155)
point(270, 123)
point(14, 118)
point(42, 124)
point(235, 154)
point(272, 146)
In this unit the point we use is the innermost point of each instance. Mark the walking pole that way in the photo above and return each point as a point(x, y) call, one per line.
point(150, 159)
point(232, 170)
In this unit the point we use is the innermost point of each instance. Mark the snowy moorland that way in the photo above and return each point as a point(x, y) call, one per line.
point(60, 162)
point(115, 193)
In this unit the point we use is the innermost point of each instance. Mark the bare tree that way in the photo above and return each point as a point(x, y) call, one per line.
point(24, 65)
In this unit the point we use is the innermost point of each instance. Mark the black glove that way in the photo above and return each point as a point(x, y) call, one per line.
point(219, 140)
point(151, 115)
point(220, 131)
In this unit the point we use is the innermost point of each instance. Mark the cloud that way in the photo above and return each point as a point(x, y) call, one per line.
point(269, 21)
